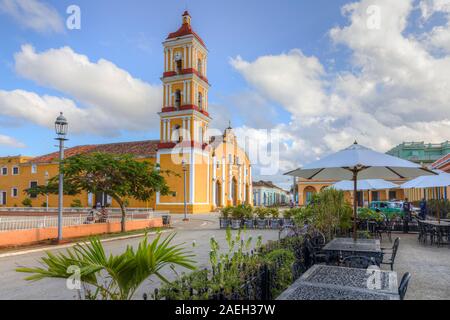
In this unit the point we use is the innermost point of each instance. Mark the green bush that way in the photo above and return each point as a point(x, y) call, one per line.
point(283, 276)
point(274, 212)
point(27, 203)
point(232, 266)
point(76, 203)
point(44, 204)
point(262, 213)
point(368, 214)
point(226, 212)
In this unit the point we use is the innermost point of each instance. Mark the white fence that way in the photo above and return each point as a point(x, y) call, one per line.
point(68, 210)
point(33, 222)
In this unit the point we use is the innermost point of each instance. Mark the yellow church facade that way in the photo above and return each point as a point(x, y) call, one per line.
point(218, 172)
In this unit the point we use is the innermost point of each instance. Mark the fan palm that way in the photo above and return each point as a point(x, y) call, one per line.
point(116, 276)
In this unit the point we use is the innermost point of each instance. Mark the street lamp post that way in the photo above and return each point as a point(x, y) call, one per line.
point(184, 183)
point(61, 126)
point(46, 195)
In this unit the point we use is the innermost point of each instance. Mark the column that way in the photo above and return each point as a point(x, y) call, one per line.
point(171, 59)
point(170, 96)
point(189, 57)
point(188, 92)
point(223, 181)
point(164, 131)
point(166, 60)
point(185, 57)
point(169, 138)
point(240, 183)
point(184, 92)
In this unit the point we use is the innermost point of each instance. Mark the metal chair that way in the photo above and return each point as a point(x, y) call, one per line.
point(360, 262)
point(393, 252)
point(312, 255)
point(403, 287)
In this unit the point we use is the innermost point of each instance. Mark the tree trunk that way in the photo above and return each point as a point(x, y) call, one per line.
point(124, 215)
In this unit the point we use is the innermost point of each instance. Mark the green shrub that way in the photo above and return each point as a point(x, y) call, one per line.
point(368, 214)
point(76, 203)
point(44, 204)
point(226, 212)
point(274, 212)
point(262, 213)
point(282, 277)
point(27, 203)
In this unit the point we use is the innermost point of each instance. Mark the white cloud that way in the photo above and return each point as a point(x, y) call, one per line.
point(10, 142)
point(104, 99)
point(33, 14)
point(395, 90)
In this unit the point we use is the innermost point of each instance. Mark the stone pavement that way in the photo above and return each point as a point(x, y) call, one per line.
point(428, 265)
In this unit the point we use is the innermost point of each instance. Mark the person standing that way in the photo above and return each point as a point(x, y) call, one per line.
point(423, 209)
point(406, 215)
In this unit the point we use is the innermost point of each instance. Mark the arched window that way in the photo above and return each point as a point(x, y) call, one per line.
point(177, 98)
point(200, 100)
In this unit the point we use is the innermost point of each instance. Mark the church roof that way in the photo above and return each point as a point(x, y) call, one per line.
point(142, 149)
point(185, 30)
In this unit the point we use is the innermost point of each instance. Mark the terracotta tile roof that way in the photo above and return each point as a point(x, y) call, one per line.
point(185, 30)
point(441, 162)
point(143, 149)
point(267, 184)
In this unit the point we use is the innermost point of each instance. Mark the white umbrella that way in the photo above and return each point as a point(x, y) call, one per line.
point(358, 162)
point(364, 185)
point(440, 180)
point(423, 182)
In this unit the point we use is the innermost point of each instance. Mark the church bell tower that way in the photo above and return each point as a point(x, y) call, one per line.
point(184, 118)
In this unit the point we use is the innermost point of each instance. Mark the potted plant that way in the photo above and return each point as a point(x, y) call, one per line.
point(225, 217)
point(237, 215)
point(261, 213)
point(275, 221)
point(249, 220)
point(287, 217)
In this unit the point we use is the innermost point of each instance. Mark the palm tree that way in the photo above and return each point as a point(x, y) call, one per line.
point(114, 277)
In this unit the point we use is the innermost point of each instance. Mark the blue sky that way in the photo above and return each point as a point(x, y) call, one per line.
point(313, 70)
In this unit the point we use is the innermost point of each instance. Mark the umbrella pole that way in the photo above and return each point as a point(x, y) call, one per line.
point(355, 203)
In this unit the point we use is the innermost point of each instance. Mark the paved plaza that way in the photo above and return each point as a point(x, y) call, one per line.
point(429, 266)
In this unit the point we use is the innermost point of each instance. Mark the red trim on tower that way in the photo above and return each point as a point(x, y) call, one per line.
point(185, 71)
point(185, 107)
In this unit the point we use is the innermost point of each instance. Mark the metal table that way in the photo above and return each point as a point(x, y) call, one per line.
point(340, 248)
point(322, 282)
point(437, 224)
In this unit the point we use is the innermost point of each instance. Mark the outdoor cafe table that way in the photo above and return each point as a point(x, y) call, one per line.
point(435, 223)
point(322, 282)
point(340, 248)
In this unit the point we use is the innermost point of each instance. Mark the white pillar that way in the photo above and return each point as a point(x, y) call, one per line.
point(184, 92)
point(185, 57)
point(164, 131)
point(169, 136)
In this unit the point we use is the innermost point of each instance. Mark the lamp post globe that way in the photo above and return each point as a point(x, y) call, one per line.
point(61, 128)
point(183, 165)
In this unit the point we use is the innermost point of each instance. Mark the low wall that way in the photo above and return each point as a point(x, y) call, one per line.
point(24, 237)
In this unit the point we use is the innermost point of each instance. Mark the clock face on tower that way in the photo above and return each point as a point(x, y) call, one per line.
point(178, 56)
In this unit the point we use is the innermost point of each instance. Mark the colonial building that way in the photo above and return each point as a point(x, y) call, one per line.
point(218, 172)
point(421, 152)
point(266, 194)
